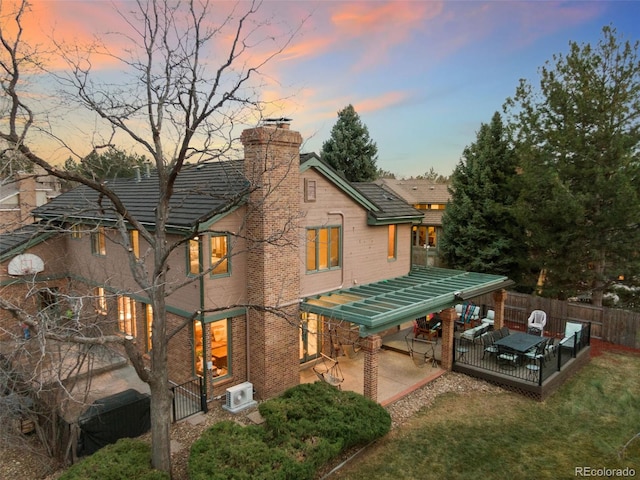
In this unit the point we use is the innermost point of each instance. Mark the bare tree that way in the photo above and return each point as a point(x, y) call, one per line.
point(175, 103)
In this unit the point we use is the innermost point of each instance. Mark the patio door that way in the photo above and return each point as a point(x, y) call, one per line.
point(309, 336)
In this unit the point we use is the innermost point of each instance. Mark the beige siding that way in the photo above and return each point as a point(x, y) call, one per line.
point(364, 247)
point(228, 290)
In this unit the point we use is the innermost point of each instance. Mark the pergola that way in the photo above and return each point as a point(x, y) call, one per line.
point(378, 306)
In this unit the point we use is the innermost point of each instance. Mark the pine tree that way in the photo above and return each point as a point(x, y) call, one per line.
point(578, 138)
point(480, 233)
point(350, 150)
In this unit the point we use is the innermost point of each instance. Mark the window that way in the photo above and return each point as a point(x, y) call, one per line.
point(430, 206)
point(48, 301)
point(76, 231)
point(149, 322)
point(423, 236)
point(126, 315)
point(216, 338)
point(323, 248)
point(195, 265)
point(219, 252)
point(98, 242)
point(101, 301)
point(309, 190)
point(432, 236)
point(134, 241)
point(392, 250)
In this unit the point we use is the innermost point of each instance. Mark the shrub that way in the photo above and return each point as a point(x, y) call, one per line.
point(304, 428)
point(230, 451)
point(320, 410)
point(127, 459)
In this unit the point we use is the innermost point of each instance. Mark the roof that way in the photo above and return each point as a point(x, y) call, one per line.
point(391, 208)
point(387, 303)
point(205, 191)
point(19, 240)
point(418, 190)
point(201, 191)
point(383, 206)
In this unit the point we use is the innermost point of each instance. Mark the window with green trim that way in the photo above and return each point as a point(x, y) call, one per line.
point(134, 240)
point(324, 249)
point(98, 242)
point(148, 313)
point(219, 254)
point(127, 315)
point(392, 244)
point(194, 266)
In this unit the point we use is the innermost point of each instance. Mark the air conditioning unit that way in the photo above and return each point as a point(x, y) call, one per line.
point(239, 397)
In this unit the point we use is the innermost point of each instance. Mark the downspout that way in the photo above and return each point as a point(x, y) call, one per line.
point(338, 212)
point(205, 363)
point(247, 346)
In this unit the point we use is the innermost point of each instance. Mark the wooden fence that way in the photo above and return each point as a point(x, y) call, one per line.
point(620, 327)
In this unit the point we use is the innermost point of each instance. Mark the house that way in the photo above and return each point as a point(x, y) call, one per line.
point(431, 199)
point(20, 193)
point(269, 251)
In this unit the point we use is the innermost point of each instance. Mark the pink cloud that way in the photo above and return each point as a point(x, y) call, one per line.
point(386, 100)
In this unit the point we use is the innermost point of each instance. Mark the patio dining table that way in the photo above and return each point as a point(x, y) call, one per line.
point(519, 342)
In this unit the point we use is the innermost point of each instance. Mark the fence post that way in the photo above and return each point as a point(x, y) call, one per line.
point(203, 396)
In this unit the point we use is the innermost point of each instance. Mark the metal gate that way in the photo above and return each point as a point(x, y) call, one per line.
point(189, 399)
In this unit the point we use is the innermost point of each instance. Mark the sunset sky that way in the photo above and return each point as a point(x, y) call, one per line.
point(422, 75)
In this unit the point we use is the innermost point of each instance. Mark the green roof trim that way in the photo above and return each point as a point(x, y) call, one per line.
point(388, 303)
point(340, 182)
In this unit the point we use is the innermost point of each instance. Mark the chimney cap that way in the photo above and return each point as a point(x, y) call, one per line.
point(282, 122)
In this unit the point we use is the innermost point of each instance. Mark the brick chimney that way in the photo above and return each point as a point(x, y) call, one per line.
point(272, 165)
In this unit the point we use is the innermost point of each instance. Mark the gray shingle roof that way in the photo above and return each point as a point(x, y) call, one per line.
point(201, 191)
point(391, 205)
point(17, 240)
point(418, 190)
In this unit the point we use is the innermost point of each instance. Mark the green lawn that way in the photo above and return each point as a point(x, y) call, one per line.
point(507, 436)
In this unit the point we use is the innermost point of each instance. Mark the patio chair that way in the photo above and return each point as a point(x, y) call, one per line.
point(489, 319)
point(537, 319)
point(487, 343)
point(536, 360)
point(536, 355)
point(428, 329)
point(534, 331)
point(572, 333)
point(469, 313)
point(550, 348)
point(504, 331)
point(509, 357)
point(328, 370)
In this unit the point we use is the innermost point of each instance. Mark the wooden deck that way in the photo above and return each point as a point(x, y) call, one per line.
point(518, 378)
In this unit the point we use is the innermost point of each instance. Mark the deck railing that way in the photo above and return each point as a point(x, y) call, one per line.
point(520, 367)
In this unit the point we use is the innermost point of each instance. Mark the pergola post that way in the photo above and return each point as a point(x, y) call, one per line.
point(499, 298)
point(448, 318)
point(371, 345)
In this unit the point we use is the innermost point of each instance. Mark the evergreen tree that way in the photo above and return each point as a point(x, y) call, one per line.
point(350, 150)
point(111, 163)
point(480, 233)
point(578, 138)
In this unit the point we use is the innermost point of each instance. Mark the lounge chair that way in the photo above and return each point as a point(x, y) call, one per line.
point(474, 333)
